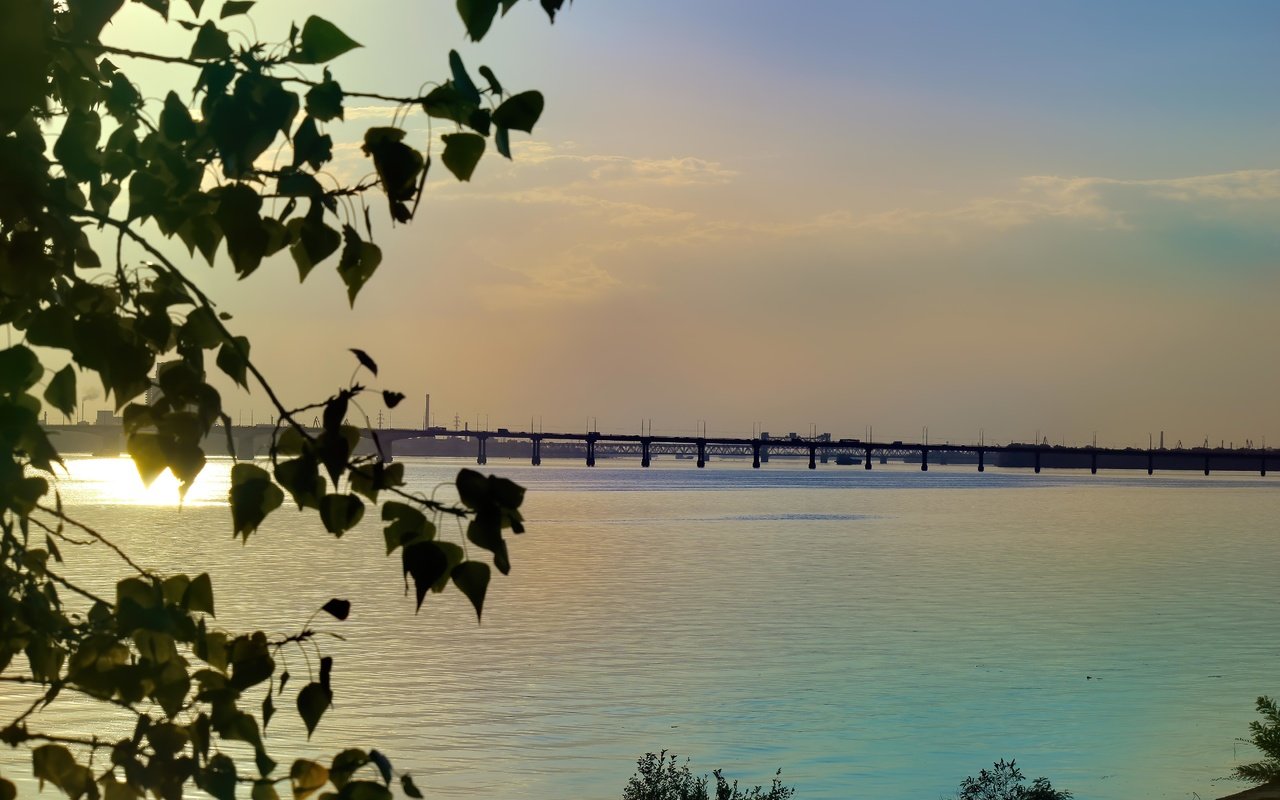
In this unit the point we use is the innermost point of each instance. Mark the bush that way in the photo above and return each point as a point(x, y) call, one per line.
point(660, 777)
point(1006, 782)
point(1266, 737)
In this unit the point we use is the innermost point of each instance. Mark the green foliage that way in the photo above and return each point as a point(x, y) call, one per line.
point(88, 155)
point(1004, 781)
point(661, 777)
point(1264, 734)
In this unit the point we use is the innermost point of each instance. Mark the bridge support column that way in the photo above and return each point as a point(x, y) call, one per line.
point(1093, 463)
point(867, 464)
point(1263, 470)
point(482, 457)
point(942, 458)
point(764, 455)
point(1151, 462)
point(755, 455)
point(924, 459)
point(644, 452)
point(702, 453)
point(825, 457)
point(982, 457)
point(245, 446)
point(537, 451)
point(1206, 465)
point(386, 449)
point(591, 451)
point(1037, 460)
point(813, 452)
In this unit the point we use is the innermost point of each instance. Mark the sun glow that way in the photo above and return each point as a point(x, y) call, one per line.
point(115, 481)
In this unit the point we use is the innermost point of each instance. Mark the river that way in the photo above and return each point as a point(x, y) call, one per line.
point(876, 634)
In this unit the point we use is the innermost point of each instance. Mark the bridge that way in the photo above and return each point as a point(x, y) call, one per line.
point(254, 440)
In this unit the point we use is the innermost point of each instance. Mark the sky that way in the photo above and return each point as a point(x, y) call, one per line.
point(1020, 219)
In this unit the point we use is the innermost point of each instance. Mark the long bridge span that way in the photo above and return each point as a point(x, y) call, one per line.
point(594, 445)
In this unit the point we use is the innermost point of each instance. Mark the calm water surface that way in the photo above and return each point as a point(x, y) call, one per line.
point(877, 635)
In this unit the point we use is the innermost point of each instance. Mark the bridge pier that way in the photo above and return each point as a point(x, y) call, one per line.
point(702, 453)
point(755, 455)
point(1093, 463)
point(482, 455)
point(1206, 465)
point(645, 459)
point(884, 459)
point(982, 457)
point(591, 451)
point(1037, 460)
point(813, 452)
point(942, 458)
point(1151, 462)
point(1263, 470)
point(825, 457)
point(537, 451)
point(764, 455)
point(867, 463)
point(386, 451)
point(924, 459)
point(245, 446)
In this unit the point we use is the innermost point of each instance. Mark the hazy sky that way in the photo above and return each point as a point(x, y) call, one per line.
point(1001, 215)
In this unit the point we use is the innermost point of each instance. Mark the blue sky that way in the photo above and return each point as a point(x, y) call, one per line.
point(1001, 215)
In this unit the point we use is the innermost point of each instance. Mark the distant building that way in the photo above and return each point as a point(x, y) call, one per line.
point(107, 417)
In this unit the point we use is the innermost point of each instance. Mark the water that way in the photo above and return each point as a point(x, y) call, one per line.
point(876, 635)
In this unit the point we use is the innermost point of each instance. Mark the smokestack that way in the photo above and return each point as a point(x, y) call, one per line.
point(1161, 440)
point(426, 414)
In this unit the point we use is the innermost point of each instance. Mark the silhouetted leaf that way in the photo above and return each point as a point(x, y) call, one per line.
point(252, 497)
point(234, 7)
point(392, 399)
point(175, 120)
point(462, 82)
point(383, 764)
point(359, 261)
point(199, 594)
point(307, 777)
point(316, 241)
point(425, 563)
point(477, 15)
point(345, 764)
point(61, 391)
point(313, 701)
point(20, 369)
point(340, 512)
point(233, 359)
point(148, 456)
point(462, 151)
point(211, 43)
point(409, 787)
point(364, 790)
point(321, 41)
point(338, 609)
point(488, 75)
point(324, 102)
point(551, 7)
point(408, 525)
point(472, 578)
point(398, 167)
point(520, 112)
point(364, 359)
point(268, 710)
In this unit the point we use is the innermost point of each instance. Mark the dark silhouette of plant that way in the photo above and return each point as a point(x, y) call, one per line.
point(1004, 781)
point(84, 149)
point(1264, 735)
point(661, 777)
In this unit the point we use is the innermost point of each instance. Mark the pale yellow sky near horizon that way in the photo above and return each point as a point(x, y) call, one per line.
point(716, 220)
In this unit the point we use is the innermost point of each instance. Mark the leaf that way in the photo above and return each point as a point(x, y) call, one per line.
point(519, 112)
point(233, 359)
point(502, 141)
point(478, 16)
point(358, 262)
point(345, 765)
point(313, 701)
point(234, 7)
point(488, 75)
point(408, 525)
point(338, 609)
point(472, 578)
point(462, 82)
point(237, 214)
point(383, 764)
point(392, 399)
point(409, 787)
point(315, 242)
point(364, 790)
point(398, 167)
point(20, 369)
point(268, 710)
point(307, 777)
point(199, 595)
point(309, 146)
point(211, 43)
point(252, 497)
point(551, 7)
point(175, 120)
point(462, 151)
point(148, 456)
point(321, 41)
point(425, 563)
point(364, 359)
point(324, 102)
point(61, 391)
point(340, 512)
